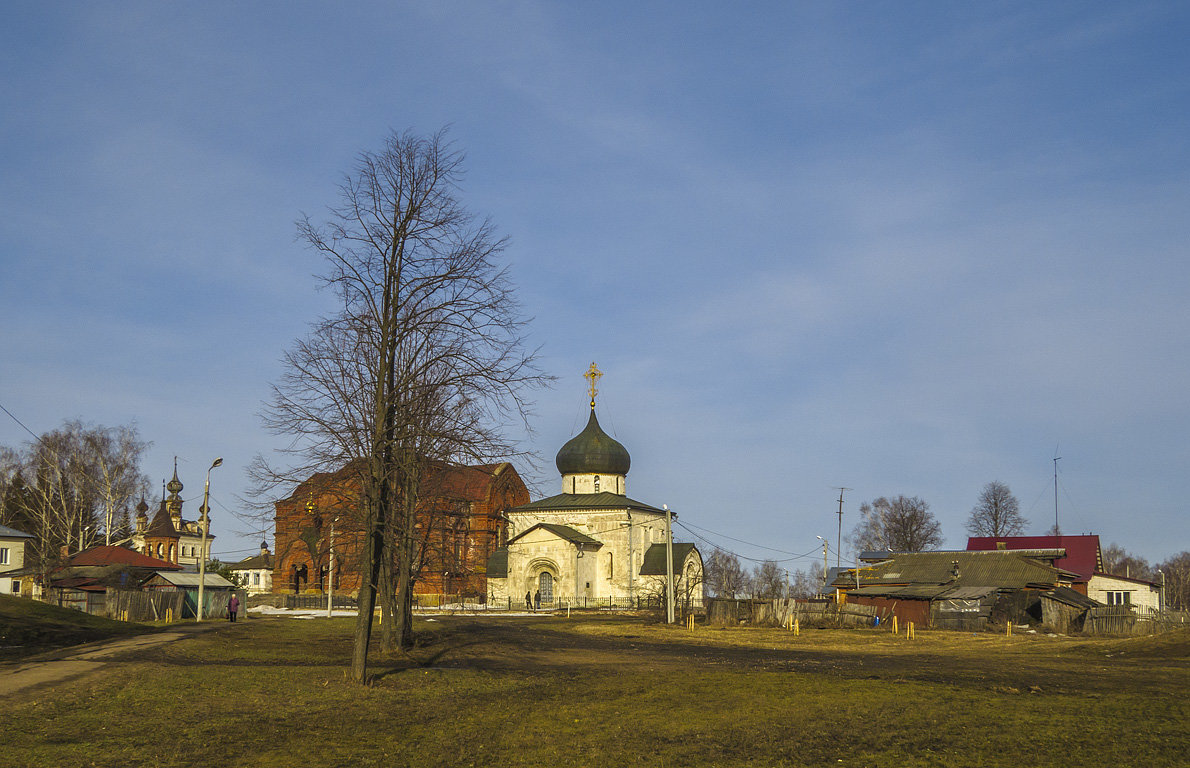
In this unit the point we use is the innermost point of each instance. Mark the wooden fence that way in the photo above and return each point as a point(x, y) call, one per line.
point(153, 605)
point(776, 613)
point(1127, 620)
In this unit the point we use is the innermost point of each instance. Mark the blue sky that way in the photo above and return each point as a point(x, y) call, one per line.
point(903, 248)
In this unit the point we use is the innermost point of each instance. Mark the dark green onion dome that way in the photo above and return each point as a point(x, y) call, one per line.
point(593, 452)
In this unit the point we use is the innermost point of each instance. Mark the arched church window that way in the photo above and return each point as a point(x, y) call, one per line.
point(610, 569)
point(596, 483)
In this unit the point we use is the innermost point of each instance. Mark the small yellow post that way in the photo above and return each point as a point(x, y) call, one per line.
point(895, 629)
point(797, 628)
point(1008, 629)
point(909, 634)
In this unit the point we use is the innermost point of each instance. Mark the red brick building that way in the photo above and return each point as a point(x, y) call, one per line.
point(460, 523)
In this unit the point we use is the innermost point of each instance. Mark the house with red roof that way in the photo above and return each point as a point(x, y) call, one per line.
point(1082, 556)
point(84, 580)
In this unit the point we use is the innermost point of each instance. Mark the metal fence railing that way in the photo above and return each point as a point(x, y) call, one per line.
point(316, 602)
point(474, 603)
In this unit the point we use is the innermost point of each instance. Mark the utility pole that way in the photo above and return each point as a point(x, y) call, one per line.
point(1057, 530)
point(823, 563)
point(631, 564)
point(330, 574)
point(839, 541)
point(669, 566)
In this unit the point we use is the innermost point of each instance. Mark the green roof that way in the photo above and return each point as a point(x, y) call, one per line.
point(561, 531)
point(498, 564)
point(593, 451)
point(602, 500)
point(654, 562)
point(930, 573)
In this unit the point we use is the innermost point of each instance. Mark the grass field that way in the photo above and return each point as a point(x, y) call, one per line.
point(613, 692)
point(28, 626)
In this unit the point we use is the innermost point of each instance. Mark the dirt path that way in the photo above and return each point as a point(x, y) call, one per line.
point(72, 663)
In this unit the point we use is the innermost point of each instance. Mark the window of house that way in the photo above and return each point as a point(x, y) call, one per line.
point(1119, 598)
point(3, 555)
point(16, 586)
point(256, 579)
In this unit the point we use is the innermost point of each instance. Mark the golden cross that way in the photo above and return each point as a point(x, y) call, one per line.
point(592, 376)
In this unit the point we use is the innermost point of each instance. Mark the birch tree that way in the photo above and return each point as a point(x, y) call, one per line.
point(72, 487)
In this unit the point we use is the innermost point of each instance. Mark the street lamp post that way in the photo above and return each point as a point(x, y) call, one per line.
point(824, 548)
point(204, 524)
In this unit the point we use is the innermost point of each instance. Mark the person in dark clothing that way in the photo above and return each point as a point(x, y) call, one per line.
point(537, 600)
point(528, 602)
point(233, 605)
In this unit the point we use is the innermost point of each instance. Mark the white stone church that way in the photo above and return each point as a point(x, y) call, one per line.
point(591, 545)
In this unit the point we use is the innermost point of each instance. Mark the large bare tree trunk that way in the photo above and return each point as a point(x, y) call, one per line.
point(421, 362)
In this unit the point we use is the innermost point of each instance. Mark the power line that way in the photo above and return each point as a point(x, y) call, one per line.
point(18, 421)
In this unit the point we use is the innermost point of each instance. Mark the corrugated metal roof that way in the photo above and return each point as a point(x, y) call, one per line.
point(1083, 555)
point(1004, 570)
point(191, 580)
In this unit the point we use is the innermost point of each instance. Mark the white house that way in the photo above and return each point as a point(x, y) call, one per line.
point(12, 558)
point(256, 572)
point(1121, 590)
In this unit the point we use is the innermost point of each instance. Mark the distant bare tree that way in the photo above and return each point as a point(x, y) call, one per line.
point(768, 581)
point(902, 524)
point(997, 513)
point(1119, 562)
point(724, 576)
point(424, 361)
point(1176, 573)
point(806, 583)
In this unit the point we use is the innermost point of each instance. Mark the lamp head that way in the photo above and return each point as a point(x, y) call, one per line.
point(217, 463)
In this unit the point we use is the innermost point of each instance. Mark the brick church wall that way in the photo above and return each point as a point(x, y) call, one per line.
point(460, 522)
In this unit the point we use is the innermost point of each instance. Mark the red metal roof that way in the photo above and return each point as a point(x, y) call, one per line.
point(113, 555)
point(1082, 552)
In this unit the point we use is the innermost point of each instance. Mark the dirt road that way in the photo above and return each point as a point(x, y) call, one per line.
point(71, 663)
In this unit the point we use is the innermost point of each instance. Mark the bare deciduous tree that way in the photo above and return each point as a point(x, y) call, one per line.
point(724, 577)
point(768, 581)
point(1119, 562)
point(997, 513)
point(1174, 575)
point(424, 361)
point(71, 487)
point(806, 583)
point(900, 524)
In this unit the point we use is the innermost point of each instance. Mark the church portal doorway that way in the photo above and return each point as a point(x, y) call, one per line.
point(545, 585)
